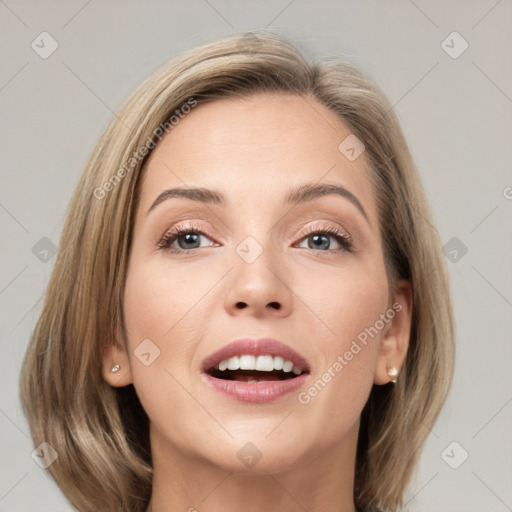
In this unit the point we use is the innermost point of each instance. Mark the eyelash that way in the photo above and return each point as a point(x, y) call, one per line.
point(170, 236)
point(342, 238)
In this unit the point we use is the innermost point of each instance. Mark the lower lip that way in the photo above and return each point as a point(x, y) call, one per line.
point(255, 392)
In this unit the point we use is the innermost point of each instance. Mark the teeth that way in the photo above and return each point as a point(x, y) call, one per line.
point(233, 363)
point(247, 362)
point(264, 363)
point(278, 363)
point(287, 366)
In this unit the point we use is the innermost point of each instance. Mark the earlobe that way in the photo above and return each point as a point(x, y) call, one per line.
point(393, 373)
point(116, 367)
point(395, 343)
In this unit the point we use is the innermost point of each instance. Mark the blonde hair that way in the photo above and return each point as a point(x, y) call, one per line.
point(101, 433)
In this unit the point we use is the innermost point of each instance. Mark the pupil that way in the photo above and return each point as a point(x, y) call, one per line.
point(318, 238)
point(190, 238)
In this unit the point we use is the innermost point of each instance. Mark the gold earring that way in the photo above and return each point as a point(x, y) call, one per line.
point(393, 373)
point(115, 368)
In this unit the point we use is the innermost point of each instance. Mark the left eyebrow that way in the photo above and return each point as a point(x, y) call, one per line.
point(297, 195)
point(310, 191)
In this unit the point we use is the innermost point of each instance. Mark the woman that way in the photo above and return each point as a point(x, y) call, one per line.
point(250, 307)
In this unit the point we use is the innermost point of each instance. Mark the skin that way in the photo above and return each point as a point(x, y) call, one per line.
point(253, 150)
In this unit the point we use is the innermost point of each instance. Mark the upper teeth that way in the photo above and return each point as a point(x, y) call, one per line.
point(261, 363)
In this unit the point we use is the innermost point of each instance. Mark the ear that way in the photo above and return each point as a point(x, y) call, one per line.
point(114, 356)
point(394, 345)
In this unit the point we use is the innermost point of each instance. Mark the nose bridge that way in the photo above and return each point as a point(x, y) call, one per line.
point(256, 283)
point(256, 243)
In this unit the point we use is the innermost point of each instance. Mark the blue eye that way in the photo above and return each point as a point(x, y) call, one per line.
point(189, 239)
point(319, 240)
point(186, 238)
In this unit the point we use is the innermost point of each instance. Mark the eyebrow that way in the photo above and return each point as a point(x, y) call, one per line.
point(295, 196)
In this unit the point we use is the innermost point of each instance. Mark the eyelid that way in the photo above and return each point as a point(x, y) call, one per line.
point(180, 228)
point(314, 228)
point(337, 232)
point(190, 225)
point(334, 231)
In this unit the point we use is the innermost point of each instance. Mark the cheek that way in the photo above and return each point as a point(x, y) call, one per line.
point(160, 317)
point(347, 303)
point(167, 306)
point(146, 313)
point(160, 300)
point(350, 306)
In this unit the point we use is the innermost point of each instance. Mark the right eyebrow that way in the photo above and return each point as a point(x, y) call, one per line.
point(200, 194)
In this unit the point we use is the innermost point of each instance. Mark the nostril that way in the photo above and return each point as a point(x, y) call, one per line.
point(275, 305)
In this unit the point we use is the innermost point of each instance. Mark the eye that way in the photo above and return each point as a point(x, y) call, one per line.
point(184, 239)
point(320, 240)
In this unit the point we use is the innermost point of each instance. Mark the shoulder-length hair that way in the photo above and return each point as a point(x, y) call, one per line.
point(101, 433)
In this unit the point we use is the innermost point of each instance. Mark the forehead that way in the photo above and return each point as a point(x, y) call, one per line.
point(257, 148)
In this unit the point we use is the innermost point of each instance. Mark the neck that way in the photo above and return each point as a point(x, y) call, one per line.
point(316, 482)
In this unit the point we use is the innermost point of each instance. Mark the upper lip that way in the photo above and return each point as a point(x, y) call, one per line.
point(256, 347)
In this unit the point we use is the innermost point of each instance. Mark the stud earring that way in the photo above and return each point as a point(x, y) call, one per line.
point(115, 368)
point(393, 373)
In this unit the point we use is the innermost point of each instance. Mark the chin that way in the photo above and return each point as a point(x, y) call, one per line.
point(251, 461)
point(257, 455)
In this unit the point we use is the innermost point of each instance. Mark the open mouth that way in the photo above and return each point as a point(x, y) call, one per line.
point(254, 369)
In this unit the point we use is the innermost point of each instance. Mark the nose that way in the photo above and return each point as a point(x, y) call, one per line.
point(259, 287)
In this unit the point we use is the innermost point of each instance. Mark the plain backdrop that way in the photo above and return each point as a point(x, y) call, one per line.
point(445, 66)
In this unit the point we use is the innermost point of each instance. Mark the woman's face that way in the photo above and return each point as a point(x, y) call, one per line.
point(249, 264)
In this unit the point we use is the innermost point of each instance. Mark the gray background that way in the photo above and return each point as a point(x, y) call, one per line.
point(457, 116)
